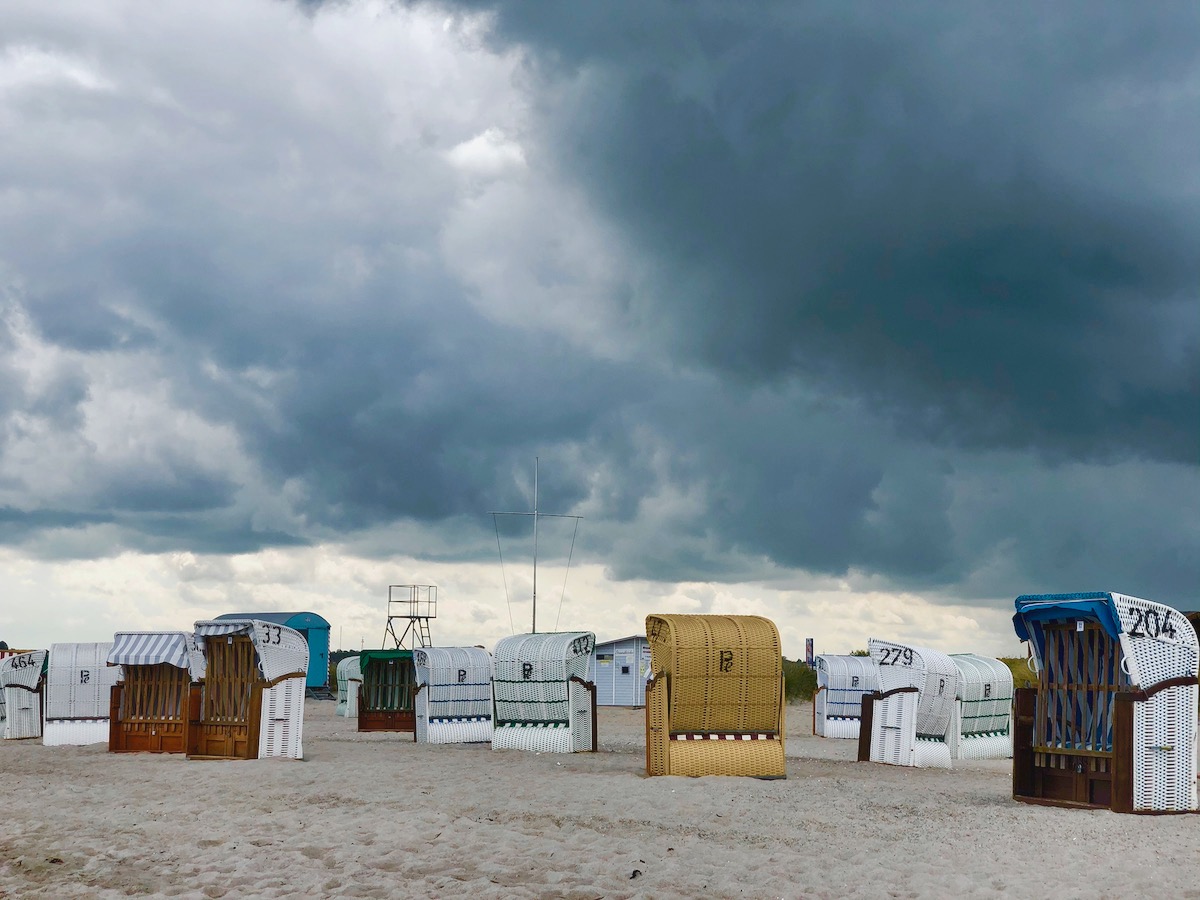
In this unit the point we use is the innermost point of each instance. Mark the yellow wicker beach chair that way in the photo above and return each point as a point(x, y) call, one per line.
point(715, 703)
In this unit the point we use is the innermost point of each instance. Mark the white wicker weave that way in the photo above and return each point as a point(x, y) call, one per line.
point(349, 677)
point(22, 684)
point(909, 729)
point(454, 699)
point(537, 706)
point(1159, 644)
point(79, 684)
point(282, 729)
point(841, 682)
point(982, 723)
point(3, 655)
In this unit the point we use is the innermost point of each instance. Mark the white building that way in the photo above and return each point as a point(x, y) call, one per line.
point(620, 670)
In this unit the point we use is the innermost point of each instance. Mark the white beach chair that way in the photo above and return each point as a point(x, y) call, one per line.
point(1112, 722)
point(982, 723)
point(912, 712)
point(22, 679)
point(543, 700)
point(349, 678)
point(454, 695)
point(79, 685)
point(837, 703)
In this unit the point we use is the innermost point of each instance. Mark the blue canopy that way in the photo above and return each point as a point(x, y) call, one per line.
point(1034, 610)
point(1092, 606)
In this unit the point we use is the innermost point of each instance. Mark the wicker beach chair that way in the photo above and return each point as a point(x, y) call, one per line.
point(349, 678)
point(251, 702)
point(1112, 722)
point(982, 723)
point(454, 695)
point(837, 703)
point(387, 691)
point(715, 705)
point(149, 704)
point(79, 685)
point(22, 679)
point(543, 700)
point(6, 652)
point(908, 719)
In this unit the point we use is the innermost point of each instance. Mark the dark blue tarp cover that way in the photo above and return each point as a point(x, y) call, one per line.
point(1092, 606)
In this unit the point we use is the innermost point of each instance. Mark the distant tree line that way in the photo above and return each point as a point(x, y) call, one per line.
point(799, 680)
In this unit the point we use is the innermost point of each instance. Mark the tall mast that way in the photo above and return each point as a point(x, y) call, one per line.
point(536, 466)
point(536, 514)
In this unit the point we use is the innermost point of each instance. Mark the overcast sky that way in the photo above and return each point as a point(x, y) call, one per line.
point(867, 317)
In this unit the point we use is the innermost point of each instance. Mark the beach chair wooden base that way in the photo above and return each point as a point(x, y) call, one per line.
point(402, 720)
point(162, 733)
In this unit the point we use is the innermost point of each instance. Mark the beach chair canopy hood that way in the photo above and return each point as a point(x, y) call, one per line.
point(1158, 642)
point(531, 674)
point(1033, 610)
point(458, 679)
point(149, 648)
point(281, 650)
point(725, 671)
point(23, 670)
point(366, 657)
point(845, 679)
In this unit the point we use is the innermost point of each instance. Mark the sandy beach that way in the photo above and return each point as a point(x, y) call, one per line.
point(379, 816)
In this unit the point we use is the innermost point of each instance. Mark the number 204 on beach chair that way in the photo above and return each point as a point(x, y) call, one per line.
point(1112, 721)
point(715, 704)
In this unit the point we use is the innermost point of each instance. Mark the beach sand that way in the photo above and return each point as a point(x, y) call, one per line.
point(374, 815)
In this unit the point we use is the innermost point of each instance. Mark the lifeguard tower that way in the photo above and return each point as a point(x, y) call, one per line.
point(410, 607)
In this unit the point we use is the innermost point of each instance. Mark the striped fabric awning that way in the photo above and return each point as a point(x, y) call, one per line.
point(214, 628)
point(148, 648)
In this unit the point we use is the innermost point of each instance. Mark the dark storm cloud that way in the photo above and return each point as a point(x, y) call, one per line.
point(978, 217)
point(405, 428)
point(904, 294)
